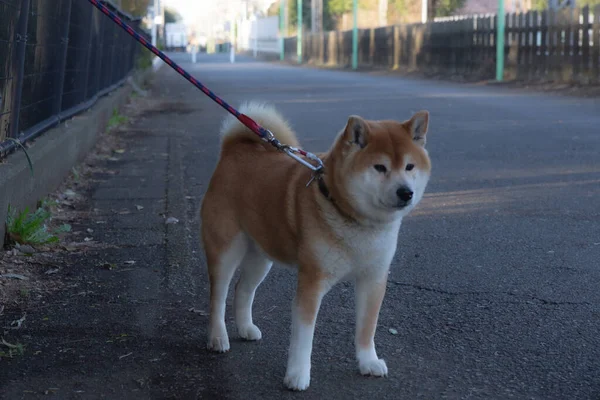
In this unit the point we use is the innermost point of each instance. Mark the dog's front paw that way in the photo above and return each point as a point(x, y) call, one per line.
point(297, 380)
point(218, 340)
point(249, 332)
point(218, 344)
point(374, 367)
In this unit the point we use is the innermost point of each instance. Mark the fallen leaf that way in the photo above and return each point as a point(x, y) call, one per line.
point(16, 324)
point(194, 310)
point(171, 220)
point(52, 271)
point(108, 266)
point(26, 249)
point(393, 331)
point(14, 276)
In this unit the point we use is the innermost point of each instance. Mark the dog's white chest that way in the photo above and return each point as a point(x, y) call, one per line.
point(358, 251)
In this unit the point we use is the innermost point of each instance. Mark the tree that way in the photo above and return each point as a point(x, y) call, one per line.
point(444, 8)
point(339, 7)
point(273, 9)
point(293, 13)
point(540, 5)
point(172, 15)
point(137, 8)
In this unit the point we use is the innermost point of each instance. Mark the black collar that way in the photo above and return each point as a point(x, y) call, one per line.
point(327, 194)
point(323, 188)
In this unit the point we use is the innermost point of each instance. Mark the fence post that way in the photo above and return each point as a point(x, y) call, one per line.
point(18, 67)
point(282, 6)
point(596, 49)
point(500, 42)
point(585, 42)
point(299, 32)
point(88, 55)
point(64, 39)
point(396, 42)
point(544, 53)
point(354, 35)
point(576, 59)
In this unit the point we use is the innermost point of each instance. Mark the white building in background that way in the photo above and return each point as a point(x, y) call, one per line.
point(259, 34)
point(176, 36)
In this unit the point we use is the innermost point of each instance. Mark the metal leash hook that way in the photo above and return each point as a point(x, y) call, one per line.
point(292, 151)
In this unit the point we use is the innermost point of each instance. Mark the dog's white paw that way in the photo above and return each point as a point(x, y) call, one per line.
point(218, 344)
point(375, 367)
point(249, 332)
point(297, 380)
point(218, 340)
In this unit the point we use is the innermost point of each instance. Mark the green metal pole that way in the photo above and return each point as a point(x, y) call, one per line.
point(299, 34)
point(282, 29)
point(500, 42)
point(355, 34)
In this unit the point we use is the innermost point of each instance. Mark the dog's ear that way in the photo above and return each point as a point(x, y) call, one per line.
point(417, 127)
point(356, 131)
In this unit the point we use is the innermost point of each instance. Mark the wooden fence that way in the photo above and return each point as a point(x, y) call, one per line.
point(559, 46)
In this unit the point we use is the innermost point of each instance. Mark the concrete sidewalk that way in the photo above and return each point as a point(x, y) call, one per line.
point(493, 293)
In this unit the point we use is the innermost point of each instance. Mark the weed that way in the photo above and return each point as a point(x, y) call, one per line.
point(12, 349)
point(76, 175)
point(30, 228)
point(18, 143)
point(144, 60)
point(116, 120)
point(47, 203)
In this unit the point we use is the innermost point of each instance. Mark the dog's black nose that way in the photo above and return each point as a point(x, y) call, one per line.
point(404, 193)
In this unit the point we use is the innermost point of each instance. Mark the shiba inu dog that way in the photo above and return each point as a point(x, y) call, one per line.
point(345, 225)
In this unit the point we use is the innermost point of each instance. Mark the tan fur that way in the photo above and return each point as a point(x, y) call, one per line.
point(265, 115)
point(366, 334)
point(257, 197)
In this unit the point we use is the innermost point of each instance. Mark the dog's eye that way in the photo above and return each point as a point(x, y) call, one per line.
point(409, 167)
point(380, 168)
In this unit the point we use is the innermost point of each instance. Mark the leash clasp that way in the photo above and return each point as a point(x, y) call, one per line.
point(294, 151)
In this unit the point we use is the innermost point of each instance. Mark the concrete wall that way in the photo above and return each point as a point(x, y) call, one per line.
point(55, 153)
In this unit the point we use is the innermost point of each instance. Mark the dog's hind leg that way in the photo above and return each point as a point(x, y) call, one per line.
point(254, 268)
point(221, 267)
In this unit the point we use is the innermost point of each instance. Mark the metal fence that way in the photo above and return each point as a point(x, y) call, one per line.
point(57, 57)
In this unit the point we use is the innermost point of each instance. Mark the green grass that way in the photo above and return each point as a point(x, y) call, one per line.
point(11, 349)
point(31, 228)
point(144, 60)
point(116, 120)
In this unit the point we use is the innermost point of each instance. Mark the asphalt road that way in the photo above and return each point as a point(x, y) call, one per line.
point(494, 292)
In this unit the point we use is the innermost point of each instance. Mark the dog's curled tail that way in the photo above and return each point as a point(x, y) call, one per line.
point(265, 115)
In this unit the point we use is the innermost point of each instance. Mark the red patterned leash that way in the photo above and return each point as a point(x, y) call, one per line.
point(264, 133)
